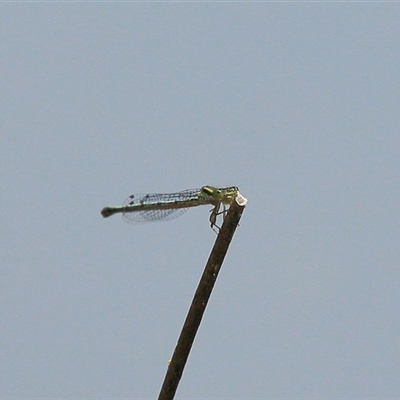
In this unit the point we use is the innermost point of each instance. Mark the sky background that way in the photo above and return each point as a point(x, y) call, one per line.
point(296, 103)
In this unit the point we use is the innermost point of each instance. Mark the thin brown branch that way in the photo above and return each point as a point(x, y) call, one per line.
point(199, 303)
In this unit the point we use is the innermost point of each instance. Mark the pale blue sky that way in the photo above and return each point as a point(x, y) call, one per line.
point(296, 103)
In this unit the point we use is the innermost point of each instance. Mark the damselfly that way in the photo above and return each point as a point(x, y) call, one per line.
point(141, 208)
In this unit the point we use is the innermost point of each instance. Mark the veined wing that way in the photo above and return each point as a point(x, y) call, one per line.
point(153, 207)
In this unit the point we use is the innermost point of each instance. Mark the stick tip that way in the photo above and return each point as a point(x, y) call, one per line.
point(241, 200)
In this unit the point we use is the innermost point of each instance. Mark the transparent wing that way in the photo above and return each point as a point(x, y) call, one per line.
point(155, 201)
point(152, 215)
